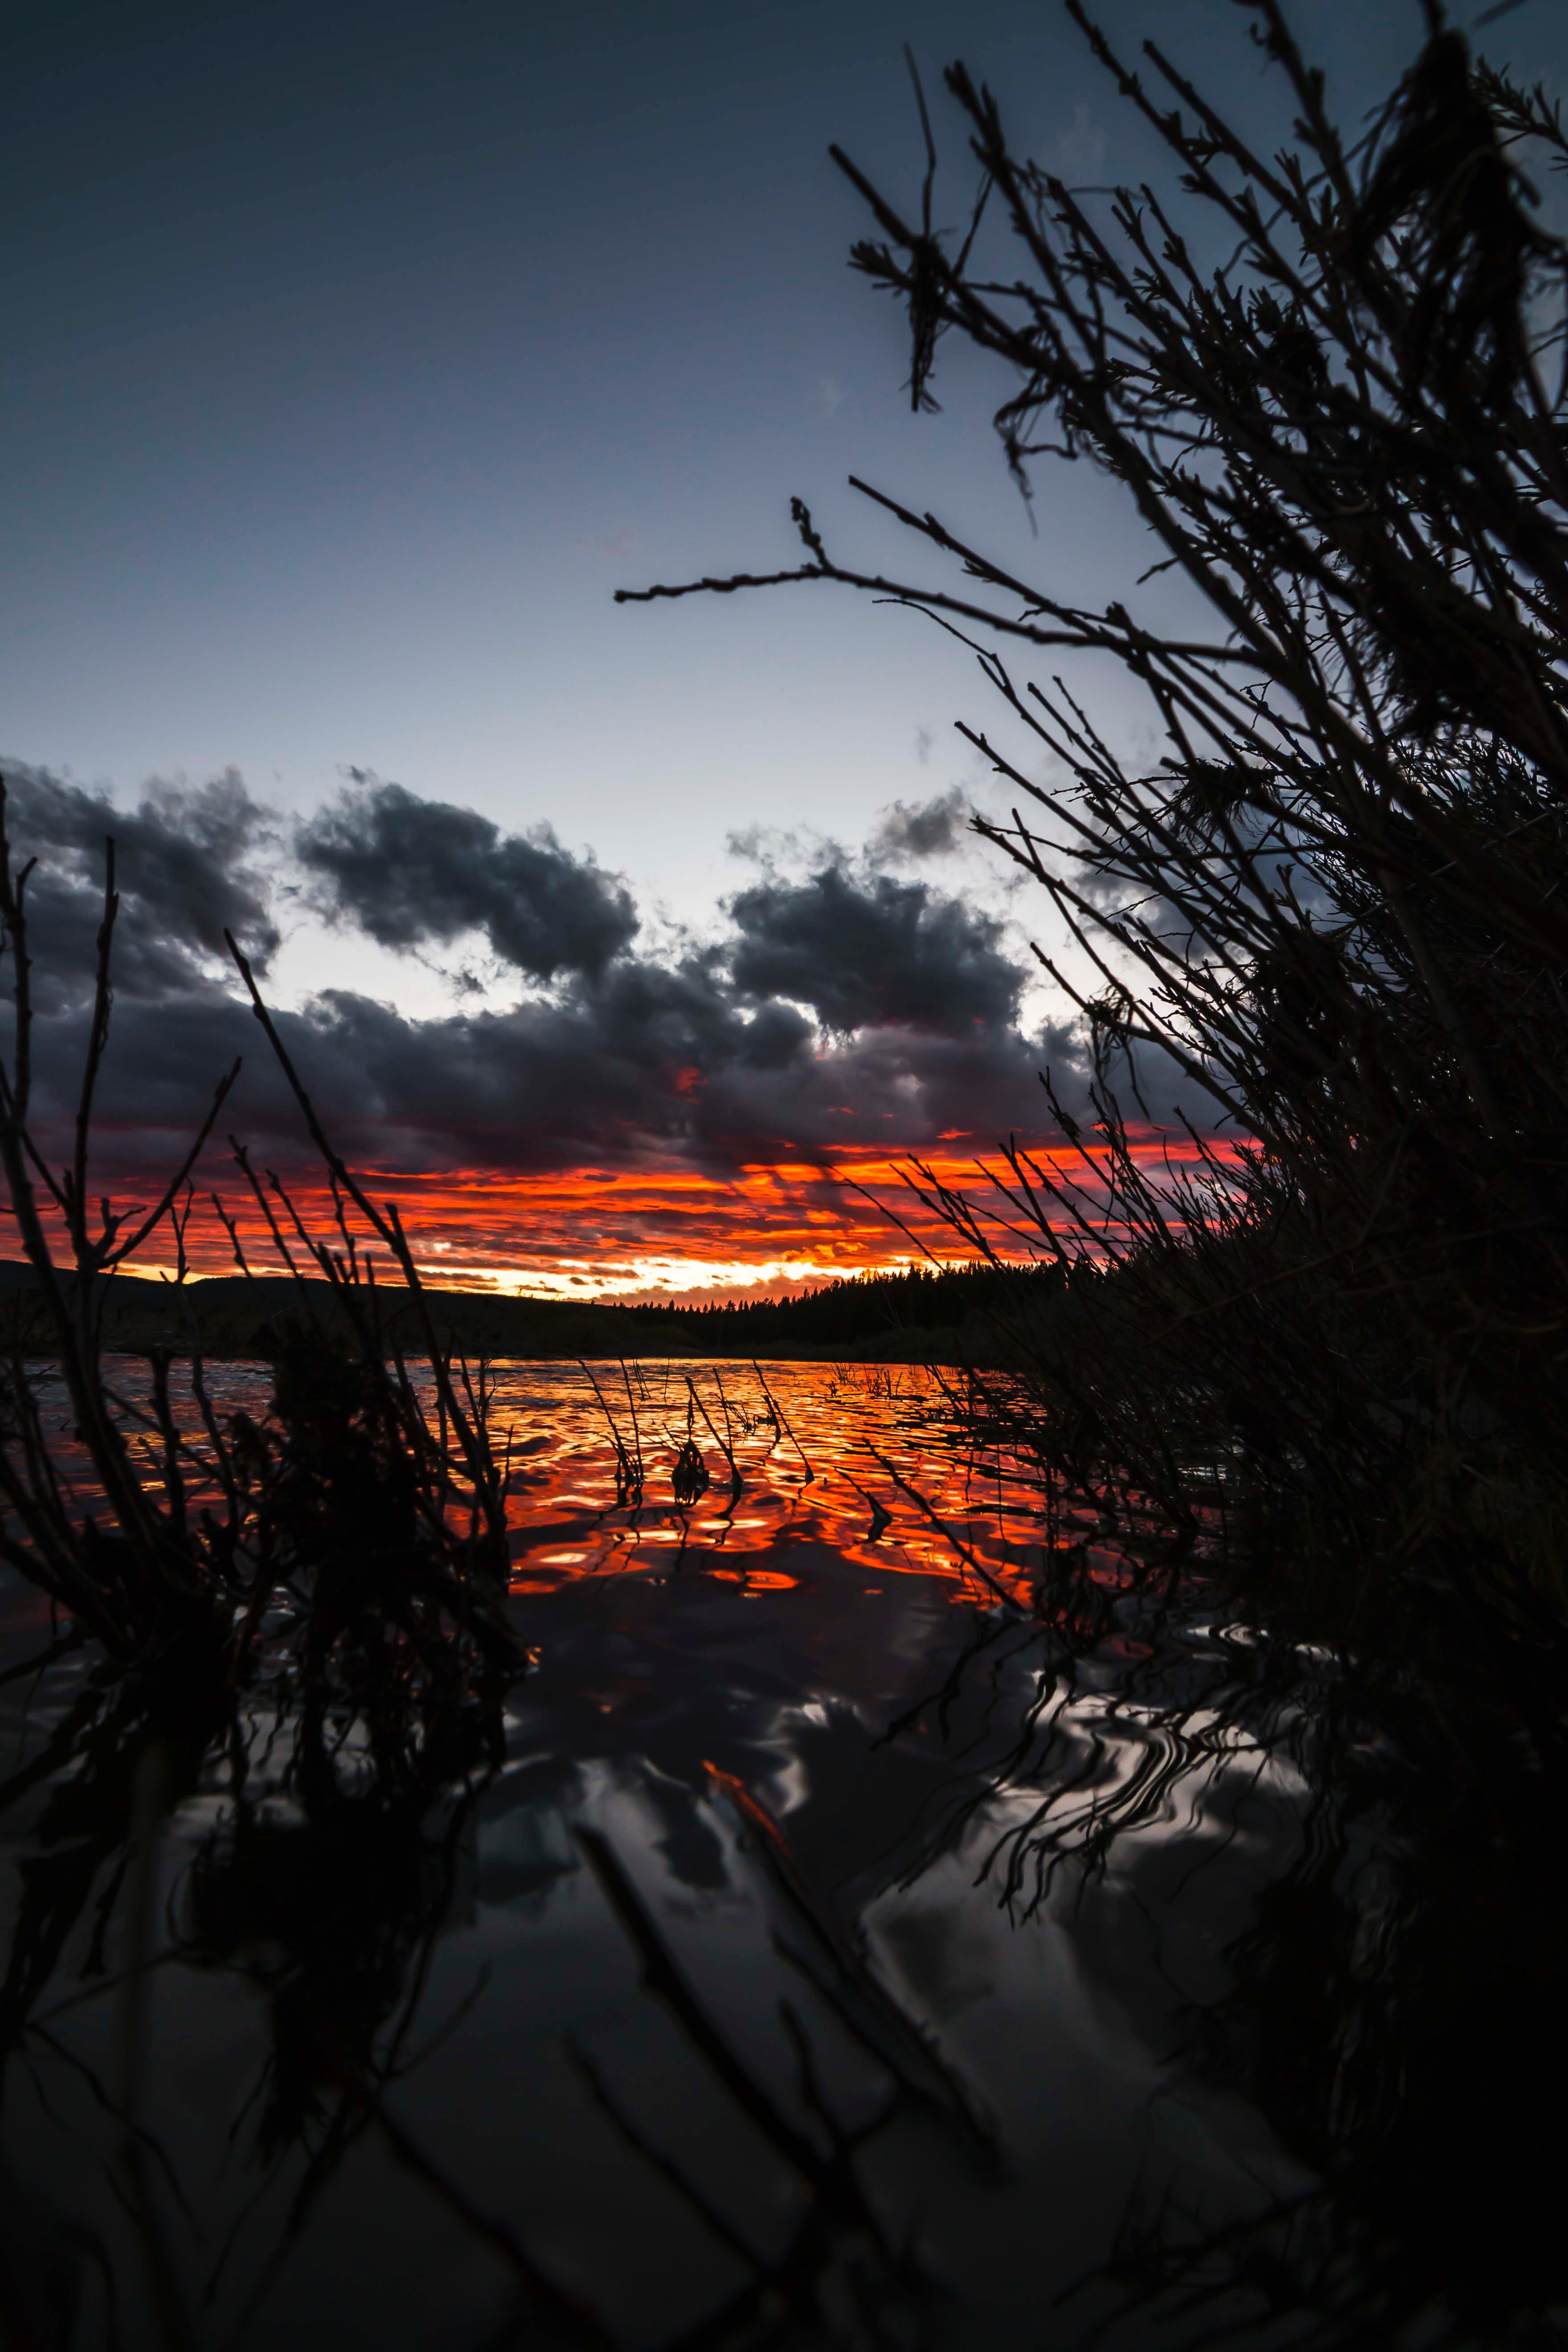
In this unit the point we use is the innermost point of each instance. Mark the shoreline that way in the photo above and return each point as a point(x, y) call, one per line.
point(241, 1319)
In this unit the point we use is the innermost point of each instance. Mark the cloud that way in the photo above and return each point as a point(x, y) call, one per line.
point(190, 862)
point(1078, 154)
point(839, 1011)
point(831, 393)
point(866, 951)
point(921, 828)
point(658, 1067)
point(412, 872)
point(620, 543)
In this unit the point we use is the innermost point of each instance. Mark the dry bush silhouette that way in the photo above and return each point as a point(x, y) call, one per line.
point(1332, 380)
point(355, 1532)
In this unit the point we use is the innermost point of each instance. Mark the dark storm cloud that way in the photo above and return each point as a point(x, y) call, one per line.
point(660, 1065)
point(847, 1008)
point(658, 1058)
point(913, 829)
point(189, 865)
point(868, 950)
point(411, 871)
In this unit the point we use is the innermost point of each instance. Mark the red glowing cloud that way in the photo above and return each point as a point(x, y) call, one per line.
point(588, 1232)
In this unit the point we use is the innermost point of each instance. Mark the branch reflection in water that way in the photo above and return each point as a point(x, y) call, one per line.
point(878, 1917)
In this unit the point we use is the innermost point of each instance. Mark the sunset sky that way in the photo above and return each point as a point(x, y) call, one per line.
point(355, 355)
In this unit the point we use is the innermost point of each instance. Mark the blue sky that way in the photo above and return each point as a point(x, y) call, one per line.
point(355, 354)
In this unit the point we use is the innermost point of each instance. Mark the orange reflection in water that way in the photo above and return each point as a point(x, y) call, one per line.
point(867, 1461)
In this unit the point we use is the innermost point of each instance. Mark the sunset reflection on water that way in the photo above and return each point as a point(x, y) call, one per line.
point(784, 1817)
point(870, 1461)
point(824, 1472)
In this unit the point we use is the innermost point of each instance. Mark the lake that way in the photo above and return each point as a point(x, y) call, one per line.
point(836, 1948)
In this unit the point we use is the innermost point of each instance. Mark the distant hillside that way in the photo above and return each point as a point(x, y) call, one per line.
point(911, 1317)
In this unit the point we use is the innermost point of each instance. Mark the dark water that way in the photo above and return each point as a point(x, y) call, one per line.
point(836, 1955)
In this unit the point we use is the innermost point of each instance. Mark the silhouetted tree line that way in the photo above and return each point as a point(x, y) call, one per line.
point(862, 1307)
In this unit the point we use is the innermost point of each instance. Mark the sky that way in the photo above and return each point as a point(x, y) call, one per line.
point(353, 356)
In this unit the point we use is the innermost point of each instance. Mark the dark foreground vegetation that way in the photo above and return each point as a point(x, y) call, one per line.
point(1332, 379)
point(1325, 1361)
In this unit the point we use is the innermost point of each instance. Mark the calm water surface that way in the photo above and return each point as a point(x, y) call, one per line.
point(777, 1986)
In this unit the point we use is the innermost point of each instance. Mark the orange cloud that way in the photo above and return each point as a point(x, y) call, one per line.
point(588, 1232)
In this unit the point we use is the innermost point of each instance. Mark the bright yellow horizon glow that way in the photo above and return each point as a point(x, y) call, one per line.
point(641, 1234)
point(678, 1280)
